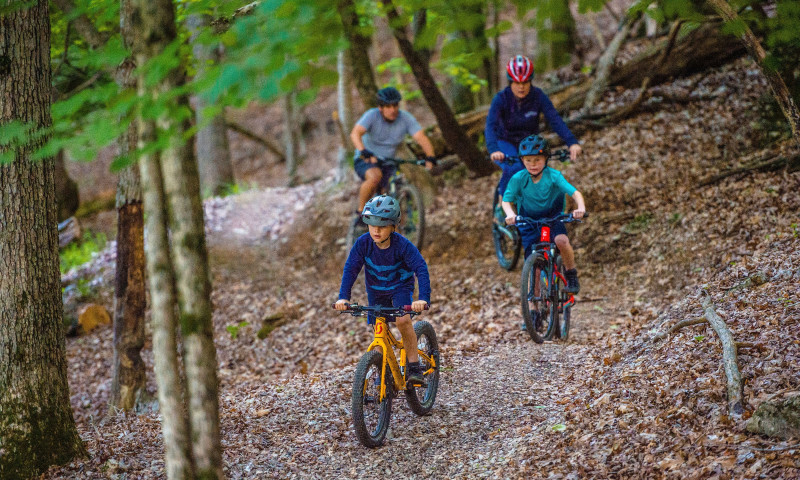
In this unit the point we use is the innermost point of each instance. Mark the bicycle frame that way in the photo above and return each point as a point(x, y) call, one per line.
point(385, 340)
point(547, 247)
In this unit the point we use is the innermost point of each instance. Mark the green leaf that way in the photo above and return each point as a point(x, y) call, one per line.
point(559, 427)
point(699, 338)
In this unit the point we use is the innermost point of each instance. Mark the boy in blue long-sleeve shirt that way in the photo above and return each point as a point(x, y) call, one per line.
point(392, 262)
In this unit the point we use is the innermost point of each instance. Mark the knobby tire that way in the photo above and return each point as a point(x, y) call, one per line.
point(421, 400)
point(365, 406)
point(534, 265)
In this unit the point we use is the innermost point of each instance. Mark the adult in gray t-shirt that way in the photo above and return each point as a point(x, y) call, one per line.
point(378, 133)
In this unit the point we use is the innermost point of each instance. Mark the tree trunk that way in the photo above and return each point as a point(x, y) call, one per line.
point(291, 142)
point(175, 178)
point(776, 83)
point(452, 132)
point(359, 53)
point(344, 109)
point(605, 62)
point(128, 375)
point(213, 154)
point(67, 197)
point(37, 428)
point(555, 34)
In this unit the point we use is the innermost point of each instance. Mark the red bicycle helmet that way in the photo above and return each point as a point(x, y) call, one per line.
point(519, 69)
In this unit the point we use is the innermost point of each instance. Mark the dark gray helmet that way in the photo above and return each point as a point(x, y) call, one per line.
point(381, 211)
point(389, 96)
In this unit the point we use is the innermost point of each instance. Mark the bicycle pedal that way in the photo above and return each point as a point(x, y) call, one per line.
point(409, 385)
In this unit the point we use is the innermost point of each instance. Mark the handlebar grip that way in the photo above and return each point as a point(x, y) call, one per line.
point(333, 305)
point(407, 308)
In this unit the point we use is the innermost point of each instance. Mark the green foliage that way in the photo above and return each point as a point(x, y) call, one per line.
point(699, 338)
point(76, 254)
point(234, 329)
point(639, 224)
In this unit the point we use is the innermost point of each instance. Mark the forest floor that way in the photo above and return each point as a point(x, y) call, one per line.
point(608, 403)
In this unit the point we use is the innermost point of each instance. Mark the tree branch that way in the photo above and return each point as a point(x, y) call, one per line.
point(266, 142)
point(729, 357)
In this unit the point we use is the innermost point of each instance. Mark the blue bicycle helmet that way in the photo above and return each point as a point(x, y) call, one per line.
point(381, 211)
point(389, 96)
point(534, 145)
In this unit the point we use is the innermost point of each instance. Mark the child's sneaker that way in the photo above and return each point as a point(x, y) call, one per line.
point(572, 281)
point(415, 376)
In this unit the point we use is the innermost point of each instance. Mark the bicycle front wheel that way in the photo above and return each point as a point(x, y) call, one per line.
point(412, 214)
point(537, 306)
point(370, 415)
point(420, 399)
point(507, 246)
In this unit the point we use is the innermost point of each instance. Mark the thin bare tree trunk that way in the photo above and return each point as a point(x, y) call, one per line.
point(776, 83)
point(37, 428)
point(605, 62)
point(344, 108)
point(452, 132)
point(290, 137)
point(213, 153)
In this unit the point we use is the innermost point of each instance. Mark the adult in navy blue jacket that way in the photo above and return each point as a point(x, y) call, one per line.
point(514, 114)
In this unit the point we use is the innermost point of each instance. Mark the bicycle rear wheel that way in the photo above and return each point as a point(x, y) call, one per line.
point(412, 214)
point(354, 230)
point(421, 400)
point(507, 245)
point(370, 415)
point(538, 311)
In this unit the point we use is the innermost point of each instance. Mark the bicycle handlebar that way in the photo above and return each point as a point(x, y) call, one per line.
point(561, 154)
point(561, 217)
point(357, 310)
point(399, 161)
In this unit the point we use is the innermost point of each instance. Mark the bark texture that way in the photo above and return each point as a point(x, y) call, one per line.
point(37, 428)
point(213, 154)
point(128, 375)
point(452, 132)
point(359, 53)
point(730, 360)
point(172, 198)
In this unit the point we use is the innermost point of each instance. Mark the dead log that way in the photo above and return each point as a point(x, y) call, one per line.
point(697, 50)
point(792, 163)
point(729, 357)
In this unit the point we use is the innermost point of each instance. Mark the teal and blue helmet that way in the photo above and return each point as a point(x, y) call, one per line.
point(381, 211)
point(534, 145)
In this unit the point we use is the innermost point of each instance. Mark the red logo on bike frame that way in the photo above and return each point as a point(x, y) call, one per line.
point(378, 329)
point(545, 233)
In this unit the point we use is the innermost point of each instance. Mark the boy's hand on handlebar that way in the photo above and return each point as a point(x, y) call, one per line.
point(418, 305)
point(578, 213)
point(511, 220)
point(574, 151)
point(497, 156)
point(341, 304)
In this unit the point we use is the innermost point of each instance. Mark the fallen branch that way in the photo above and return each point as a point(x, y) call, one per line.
point(792, 163)
point(678, 326)
point(753, 346)
point(729, 358)
point(266, 142)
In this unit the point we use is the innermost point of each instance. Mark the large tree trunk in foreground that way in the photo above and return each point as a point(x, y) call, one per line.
point(776, 83)
point(213, 154)
point(452, 132)
point(359, 53)
point(172, 197)
point(37, 428)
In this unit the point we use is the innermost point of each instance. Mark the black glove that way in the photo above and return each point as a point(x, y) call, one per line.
point(432, 160)
point(365, 154)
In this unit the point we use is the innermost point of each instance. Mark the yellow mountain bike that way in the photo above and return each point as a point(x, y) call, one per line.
point(380, 376)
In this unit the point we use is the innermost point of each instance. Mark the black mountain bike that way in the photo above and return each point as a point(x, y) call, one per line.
point(412, 210)
point(546, 307)
point(507, 242)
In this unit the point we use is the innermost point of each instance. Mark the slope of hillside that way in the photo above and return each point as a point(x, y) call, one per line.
point(608, 403)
